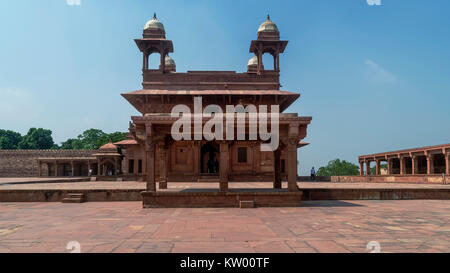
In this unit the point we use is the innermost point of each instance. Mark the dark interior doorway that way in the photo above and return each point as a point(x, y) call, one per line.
point(209, 159)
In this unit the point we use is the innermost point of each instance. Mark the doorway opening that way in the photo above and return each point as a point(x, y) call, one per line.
point(209, 159)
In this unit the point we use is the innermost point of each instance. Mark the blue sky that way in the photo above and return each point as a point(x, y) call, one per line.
point(374, 78)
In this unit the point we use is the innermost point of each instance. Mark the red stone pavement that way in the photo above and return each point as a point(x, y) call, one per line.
point(317, 226)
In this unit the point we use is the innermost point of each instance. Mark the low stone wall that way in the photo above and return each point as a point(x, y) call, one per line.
point(219, 199)
point(318, 178)
point(23, 163)
point(421, 178)
point(93, 195)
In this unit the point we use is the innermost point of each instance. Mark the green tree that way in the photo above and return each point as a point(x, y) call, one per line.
point(338, 167)
point(373, 170)
point(37, 139)
point(9, 140)
point(117, 136)
point(92, 139)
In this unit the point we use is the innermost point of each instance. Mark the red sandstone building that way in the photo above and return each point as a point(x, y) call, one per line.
point(431, 160)
point(152, 148)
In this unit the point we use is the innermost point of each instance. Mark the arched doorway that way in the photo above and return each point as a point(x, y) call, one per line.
point(108, 167)
point(209, 159)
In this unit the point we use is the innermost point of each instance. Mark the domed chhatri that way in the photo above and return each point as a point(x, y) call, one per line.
point(170, 65)
point(154, 24)
point(169, 61)
point(268, 26)
point(253, 61)
point(154, 29)
point(109, 147)
point(252, 65)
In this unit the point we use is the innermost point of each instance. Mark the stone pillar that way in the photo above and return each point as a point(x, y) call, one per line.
point(402, 165)
point(414, 165)
point(361, 168)
point(145, 61)
point(378, 169)
point(73, 168)
point(223, 168)
point(447, 164)
point(260, 64)
point(89, 166)
point(276, 169)
point(368, 168)
point(136, 166)
point(162, 168)
point(48, 169)
point(430, 164)
point(56, 168)
point(196, 146)
point(39, 168)
point(292, 164)
point(150, 163)
point(389, 166)
point(163, 61)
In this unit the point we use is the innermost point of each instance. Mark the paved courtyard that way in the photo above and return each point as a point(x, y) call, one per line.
point(317, 226)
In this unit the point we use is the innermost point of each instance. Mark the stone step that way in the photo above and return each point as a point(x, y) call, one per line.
point(72, 200)
point(73, 197)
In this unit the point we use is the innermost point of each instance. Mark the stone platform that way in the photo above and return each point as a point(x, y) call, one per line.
point(214, 199)
point(102, 191)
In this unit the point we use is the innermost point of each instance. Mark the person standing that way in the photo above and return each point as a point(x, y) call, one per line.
point(313, 174)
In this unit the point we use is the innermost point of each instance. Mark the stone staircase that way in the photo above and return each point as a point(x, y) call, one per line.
point(208, 178)
point(74, 198)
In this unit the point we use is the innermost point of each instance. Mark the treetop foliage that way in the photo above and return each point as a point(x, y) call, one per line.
point(39, 138)
point(337, 167)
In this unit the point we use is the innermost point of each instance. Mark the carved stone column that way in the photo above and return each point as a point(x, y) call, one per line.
point(56, 168)
point(368, 172)
point(292, 164)
point(414, 165)
point(361, 168)
point(402, 165)
point(196, 146)
point(447, 164)
point(150, 162)
point(276, 169)
point(378, 169)
point(72, 165)
point(430, 164)
point(39, 168)
point(389, 166)
point(162, 166)
point(223, 169)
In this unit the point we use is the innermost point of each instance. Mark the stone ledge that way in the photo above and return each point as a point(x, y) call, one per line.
point(220, 199)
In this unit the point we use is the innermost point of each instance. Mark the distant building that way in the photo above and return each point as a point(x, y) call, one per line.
point(426, 160)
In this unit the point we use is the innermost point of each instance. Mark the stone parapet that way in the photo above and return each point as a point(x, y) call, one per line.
point(24, 163)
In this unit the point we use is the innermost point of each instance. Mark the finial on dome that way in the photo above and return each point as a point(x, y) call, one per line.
point(268, 16)
point(154, 15)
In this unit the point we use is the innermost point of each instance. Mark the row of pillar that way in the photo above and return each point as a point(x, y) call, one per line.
point(402, 159)
point(224, 146)
point(55, 171)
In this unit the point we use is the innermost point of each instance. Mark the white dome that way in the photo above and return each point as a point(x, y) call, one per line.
point(169, 61)
point(268, 26)
point(154, 24)
point(253, 61)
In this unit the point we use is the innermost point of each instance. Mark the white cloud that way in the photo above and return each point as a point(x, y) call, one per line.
point(378, 74)
point(73, 2)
